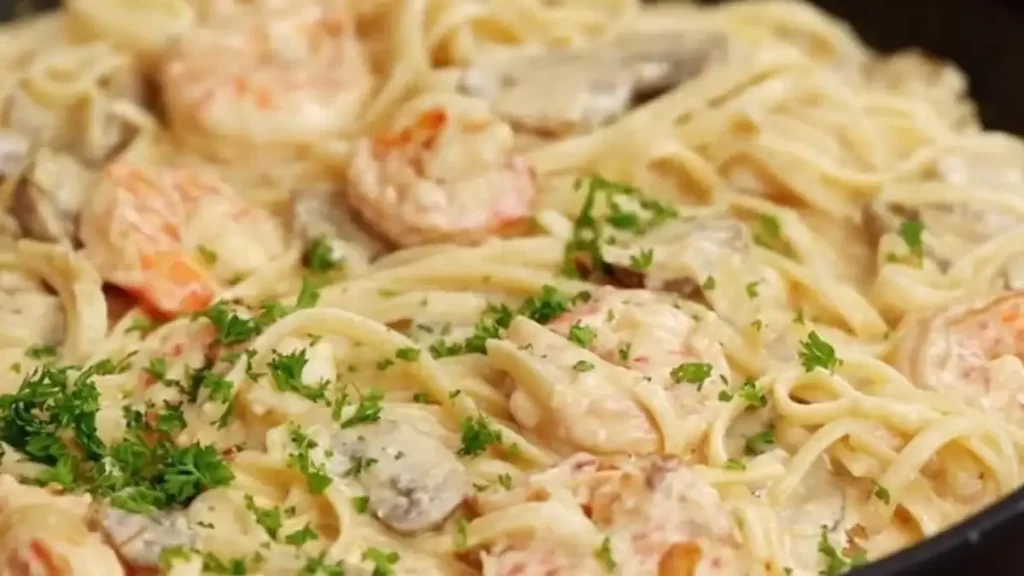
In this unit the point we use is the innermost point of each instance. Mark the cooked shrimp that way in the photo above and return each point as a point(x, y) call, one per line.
point(570, 397)
point(445, 176)
point(266, 82)
point(603, 375)
point(642, 331)
point(168, 235)
point(971, 351)
point(657, 517)
point(140, 538)
point(637, 329)
point(46, 534)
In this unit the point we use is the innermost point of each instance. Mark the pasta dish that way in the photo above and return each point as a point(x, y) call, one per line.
point(502, 288)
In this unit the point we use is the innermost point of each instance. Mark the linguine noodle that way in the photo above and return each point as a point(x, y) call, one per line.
point(427, 287)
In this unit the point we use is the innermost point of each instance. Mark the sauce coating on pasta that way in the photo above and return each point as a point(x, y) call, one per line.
point(488, 288)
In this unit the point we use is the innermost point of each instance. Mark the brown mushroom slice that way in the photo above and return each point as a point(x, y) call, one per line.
point(953, 229)
point(688, 251)
point(563, 92)
point(139, 539)
point(662, 60)
point(553, 94)
point(28, 313)
point(880, 218)
point(14, 153)
point(37, 215)
point(47, 197)
point(414, 482)
point(321, 215)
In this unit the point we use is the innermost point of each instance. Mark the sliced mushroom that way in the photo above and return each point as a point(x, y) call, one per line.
point(14, 153)
point(320, 214)
point(29, 314)
point(662, 60)
point(37, 214)
point(688, 251)
point(562, 92)
point(414, 482)
point(953, 229)
point(47, 197)
point(139, 539)
point(880, 218)
point(553, 94)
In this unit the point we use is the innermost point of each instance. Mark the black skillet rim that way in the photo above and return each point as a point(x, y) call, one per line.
point(986, 38)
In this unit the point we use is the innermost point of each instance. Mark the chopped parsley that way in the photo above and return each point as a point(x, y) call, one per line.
point(625, 211)
point(286, 373)
point(583, 366)
point(882, 493)
point(157, 368)
point(213, 564)
point(798, 318)
point(318, 566)
point(603, 553)
point(625, 352)
point(542, 308)
point(817, 353)
point(383, 561)
point(550, 304)
point(233, 328)
point(760, 443)
point(835, 562)
point(751, 289)
point(408, 354)
point(642, 261)
point(52, 420)
point(320, 257)
point(207, 254)
point(768, 233)
point(140, 324)
point(752, 394)
point(581, 335)
point(317, 479)
point(367, 410)
point(268, 518)
point(361, 504)
point(691, 372)
point(358, 465)
point(41, 352)
point(461, 536)
point(173, 555)
point(301, 536)
point(709, 284)
point(477, 436)
point(734, 464)
point(912, 234)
